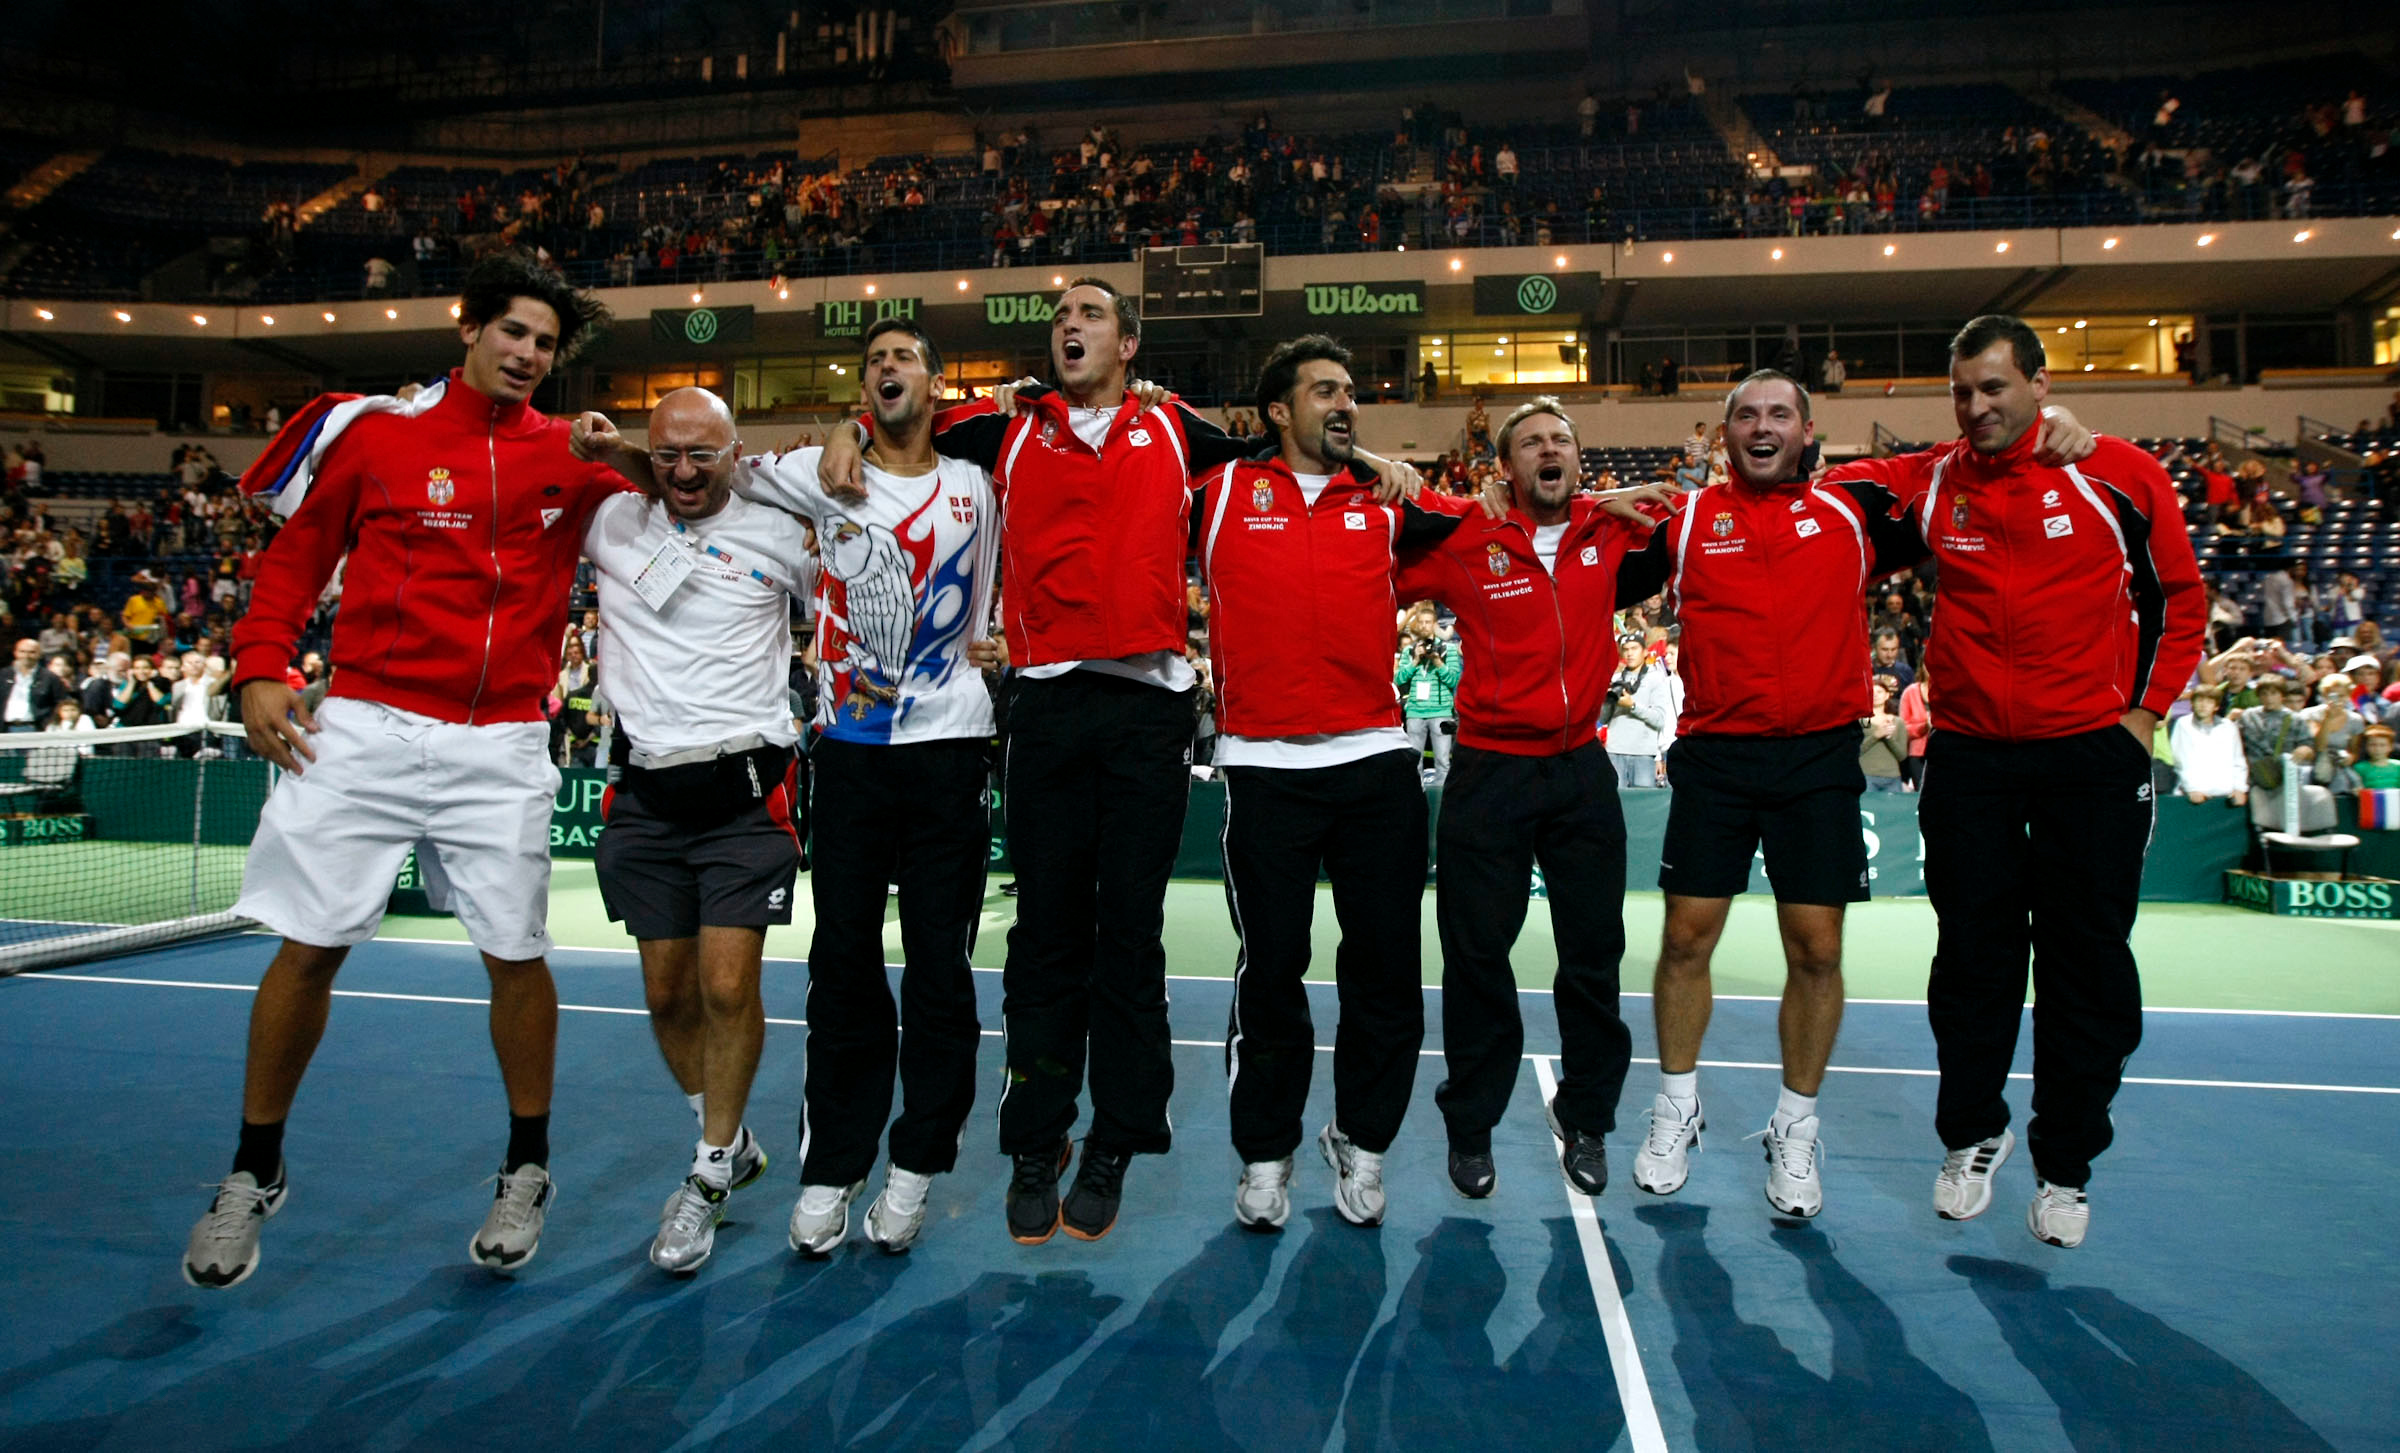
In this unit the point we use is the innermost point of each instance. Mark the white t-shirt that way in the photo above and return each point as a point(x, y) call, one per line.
point(907, 587)
point(1164, 669)
point(1545, 544)
point(708, 663)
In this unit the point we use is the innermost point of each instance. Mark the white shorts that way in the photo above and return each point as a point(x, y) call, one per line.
point(474, 801)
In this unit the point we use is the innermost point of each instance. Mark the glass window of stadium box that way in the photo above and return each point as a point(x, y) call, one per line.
point(36, 391)
point(1552, 357)
point(2387, 336)
point(2111, 343)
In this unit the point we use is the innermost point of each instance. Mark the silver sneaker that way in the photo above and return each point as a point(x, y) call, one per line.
point(2058, 1214)
point(1963, 1189)
point(1357, 1177)
point(1263, 1200)
point(512, 1232)
point(1793, 1158)
point(821, 1219)
point(687, 1233)
point(899, 1213)
point(1664, 1162)
point(749, 1159)
point(223, 1250)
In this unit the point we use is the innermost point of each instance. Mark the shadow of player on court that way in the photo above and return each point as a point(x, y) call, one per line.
point(2124, 1379)
point(1748, 1389)
point(1433, 1378)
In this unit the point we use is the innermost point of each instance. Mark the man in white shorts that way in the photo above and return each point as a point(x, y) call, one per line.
point(700, 853)
point(462, 515)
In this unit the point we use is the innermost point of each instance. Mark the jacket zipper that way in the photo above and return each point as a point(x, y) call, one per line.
point(491, 446)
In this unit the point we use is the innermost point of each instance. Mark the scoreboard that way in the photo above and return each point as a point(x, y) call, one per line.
point(1215, 281)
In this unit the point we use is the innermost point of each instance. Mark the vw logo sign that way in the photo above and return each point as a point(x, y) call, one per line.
point(1537, 294)
point(700, 325)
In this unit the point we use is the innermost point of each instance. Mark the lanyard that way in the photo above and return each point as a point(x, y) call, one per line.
point(713, 552)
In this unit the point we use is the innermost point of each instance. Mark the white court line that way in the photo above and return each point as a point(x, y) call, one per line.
point(53, 976)
point(1436, 988)
point(1633, 1386)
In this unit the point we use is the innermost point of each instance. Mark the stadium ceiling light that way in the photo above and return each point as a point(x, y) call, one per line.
point(329, 317)
point(784, 293)
point(1058, 280)
point(122, 316)
point(2087, 368)
point(1455, 264)
point(2000, 247)
point(2396, 234)
point(453, 312)
point(1777, 254)
point(2153, 322)
point(267, 318)
point(2206, 238)
point(199, 320)
point(393, 313)
point(695, 297)
point(2062, 328)
point(2109, 246)
point(2083, 322)
point(1403, 247)
point(1560, 260)
point(44, 314)
point(962, 284)
point(870, 290)
point(2303, 235)
point(1501, 340)
point(1667, 257)
point(1889, 249)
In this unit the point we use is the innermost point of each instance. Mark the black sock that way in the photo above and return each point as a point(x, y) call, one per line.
point(260, 1152)
point(528, 1141)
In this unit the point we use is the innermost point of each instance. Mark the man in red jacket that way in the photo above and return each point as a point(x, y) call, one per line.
point(1534, 593)
point(462, 520)
point(1298, 558)
point(2037, 801)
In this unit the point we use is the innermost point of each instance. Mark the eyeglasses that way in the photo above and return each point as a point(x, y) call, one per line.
point(697, 458)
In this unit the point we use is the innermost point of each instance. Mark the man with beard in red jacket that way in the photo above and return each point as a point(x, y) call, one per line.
point(461, 517)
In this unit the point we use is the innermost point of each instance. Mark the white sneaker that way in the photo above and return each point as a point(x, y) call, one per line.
point(1792, 1157)
point(821, 1220)
point(2058, 1214)
point(899, 1213)
point(687, 1232)
point(1963, 1189)
point(512, 1232)
point(1357, 1177)
point(1663, 1163)
point(1263, 1200)
point(223, 1250)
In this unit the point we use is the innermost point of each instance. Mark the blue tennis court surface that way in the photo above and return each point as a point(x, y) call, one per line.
point(2236, 1292)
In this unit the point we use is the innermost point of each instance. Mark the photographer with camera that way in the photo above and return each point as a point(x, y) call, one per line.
point(1638, 711)
point(1427, 680)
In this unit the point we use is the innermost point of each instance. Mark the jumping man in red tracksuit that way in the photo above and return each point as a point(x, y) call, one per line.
point(1298, 556)
point(1534, 593)
point(2036, 807)
point(462, 523)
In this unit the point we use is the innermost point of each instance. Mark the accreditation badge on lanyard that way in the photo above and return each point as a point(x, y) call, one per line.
point(666, 569)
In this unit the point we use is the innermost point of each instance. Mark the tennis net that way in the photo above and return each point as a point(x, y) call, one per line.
point(116, 841)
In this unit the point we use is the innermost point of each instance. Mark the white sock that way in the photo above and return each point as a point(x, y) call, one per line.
point(713, 1164)
point(1683, 1090)
point(699, 1104)
point(1791, 1106)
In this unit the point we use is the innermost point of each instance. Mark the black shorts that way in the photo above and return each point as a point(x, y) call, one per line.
point(664, 879)
point(1796, 796)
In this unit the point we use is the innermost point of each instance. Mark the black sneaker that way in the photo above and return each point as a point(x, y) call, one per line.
point(1472, 1173)
point(1033, 1193)
point(1583, 1157)
point(1091, 1204)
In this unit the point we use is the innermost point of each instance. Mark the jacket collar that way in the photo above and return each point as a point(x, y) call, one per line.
point(1986, 468)
point(463, 406)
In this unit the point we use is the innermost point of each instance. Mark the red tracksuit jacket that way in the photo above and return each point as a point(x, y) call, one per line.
point(2067, 596)
point(463, 525)
point(1091, 544)
point(1769, 586)
point(1539, 650)
point(1301, 604)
